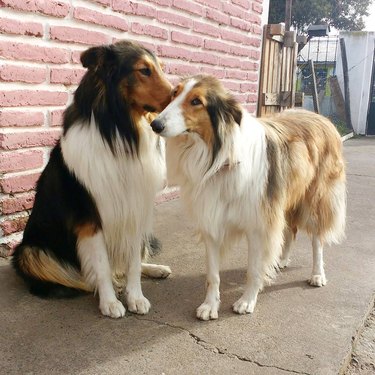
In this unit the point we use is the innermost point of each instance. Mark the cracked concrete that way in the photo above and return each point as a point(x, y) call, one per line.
point(295, 329)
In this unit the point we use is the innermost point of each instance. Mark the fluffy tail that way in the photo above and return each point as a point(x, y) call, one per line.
point(46, 276)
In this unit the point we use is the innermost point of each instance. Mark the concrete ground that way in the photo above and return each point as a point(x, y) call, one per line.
point(295, 328)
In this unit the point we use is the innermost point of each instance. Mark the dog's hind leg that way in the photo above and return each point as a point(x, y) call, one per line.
point(96, 270)
point(152, 246)
point(255, 274)
point(318, 277)
point(288, 240)
point(210, 307)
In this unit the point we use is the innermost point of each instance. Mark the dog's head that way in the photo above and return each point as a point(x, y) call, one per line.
point(202, 106)
point(132, 70)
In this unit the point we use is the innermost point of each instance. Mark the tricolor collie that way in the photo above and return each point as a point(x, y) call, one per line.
point(262, 179)
point(94, 203)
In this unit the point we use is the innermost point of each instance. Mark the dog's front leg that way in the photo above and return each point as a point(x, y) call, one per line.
point(95, 266)
point(255, 274)
point(210, 307)
point(135, 299)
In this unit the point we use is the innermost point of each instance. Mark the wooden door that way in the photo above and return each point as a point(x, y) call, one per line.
point(278, 70)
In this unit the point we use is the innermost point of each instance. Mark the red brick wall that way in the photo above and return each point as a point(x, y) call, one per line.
point(40, 44)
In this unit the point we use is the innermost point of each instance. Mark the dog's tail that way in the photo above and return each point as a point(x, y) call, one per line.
point(151, 246)
point(46, 276)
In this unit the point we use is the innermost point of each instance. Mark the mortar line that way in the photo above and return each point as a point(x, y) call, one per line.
point(206, 346)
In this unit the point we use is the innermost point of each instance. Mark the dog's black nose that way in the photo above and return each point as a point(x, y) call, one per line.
point(157, 126)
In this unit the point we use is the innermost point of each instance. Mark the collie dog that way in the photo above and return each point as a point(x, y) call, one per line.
point(261, 179)
point(92, 216)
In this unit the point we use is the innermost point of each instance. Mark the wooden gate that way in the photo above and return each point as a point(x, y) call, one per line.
point(278, 70)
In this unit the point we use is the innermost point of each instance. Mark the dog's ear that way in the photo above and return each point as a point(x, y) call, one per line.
point(223, 106)
point(96, 58)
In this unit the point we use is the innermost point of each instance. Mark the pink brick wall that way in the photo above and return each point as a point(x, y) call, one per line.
point(40, 44)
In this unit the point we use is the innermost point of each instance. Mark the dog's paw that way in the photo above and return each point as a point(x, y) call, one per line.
point(138, 304)
point(156, 271)
point(207, 311)
point(114, 309)
point(283, 263)
point(243, 306)
point(318, 280)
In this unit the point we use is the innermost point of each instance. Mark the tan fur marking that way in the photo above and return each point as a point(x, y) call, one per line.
point(86, 230)
point(39, 264)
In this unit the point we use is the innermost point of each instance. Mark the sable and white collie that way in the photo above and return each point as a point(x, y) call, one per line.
point(94, 204)
point(261, 179)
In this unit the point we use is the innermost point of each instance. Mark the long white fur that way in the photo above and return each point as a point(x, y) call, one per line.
point(206, 193)
point(123, 188)
point(225, 201)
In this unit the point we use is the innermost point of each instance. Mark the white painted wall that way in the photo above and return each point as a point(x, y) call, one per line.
point(360, 51)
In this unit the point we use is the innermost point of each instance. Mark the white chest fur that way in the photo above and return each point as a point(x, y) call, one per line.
point(122, 185)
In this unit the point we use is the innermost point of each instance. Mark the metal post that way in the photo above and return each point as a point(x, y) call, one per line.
point(346, 84)
point(288, 14)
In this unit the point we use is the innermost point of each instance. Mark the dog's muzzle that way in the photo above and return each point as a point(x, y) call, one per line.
point(157, 126)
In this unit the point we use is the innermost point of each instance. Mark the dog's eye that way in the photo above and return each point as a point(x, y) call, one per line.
point(174, 93)
point(195, 101)
point(145, 71)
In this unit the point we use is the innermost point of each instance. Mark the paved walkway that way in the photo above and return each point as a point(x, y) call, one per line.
point(295, 329)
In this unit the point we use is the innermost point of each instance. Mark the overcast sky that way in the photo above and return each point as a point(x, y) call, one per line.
point(370, 21)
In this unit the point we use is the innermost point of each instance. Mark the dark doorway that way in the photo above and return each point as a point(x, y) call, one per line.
point(371, 108)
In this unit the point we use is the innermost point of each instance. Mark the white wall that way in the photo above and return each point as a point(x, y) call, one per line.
point(360, 51)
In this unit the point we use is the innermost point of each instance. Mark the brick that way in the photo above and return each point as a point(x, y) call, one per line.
point(240, 24)
point(66, 76)
point(15, 161)
point(206, 29)
point(233, 10)
point(91, 16)
point(240, 51)
point(165, 3)
point(129, 7)
point(21, 118)
point(13, 73)
point(249, 87)
point(56, 117)
point(230, 62)
point(18, 98)
point(249, 65)
point(253, 18)
point(50, 7)
point(18, 184)
point(16, 203)
point(214, 45)
point(191, 40)
point(218, 73)
point(211, 3)
point(218, 17)
point(154, 31)
point(182, 69)
point(189, 6)
point(258, 8)
point(242, 3)
point(77, 35)
point(22, 51)
point(253, 77)
point(13, 225)
point(76, 57)
point(232, 86)
point(256, 29)
point(236, 74)
point(204, 57)
point(174, 52)
point(35, 138)
point(252, 98)
point(232, 36)
point(174, 19)
point(250, 41)
point(10, 26)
